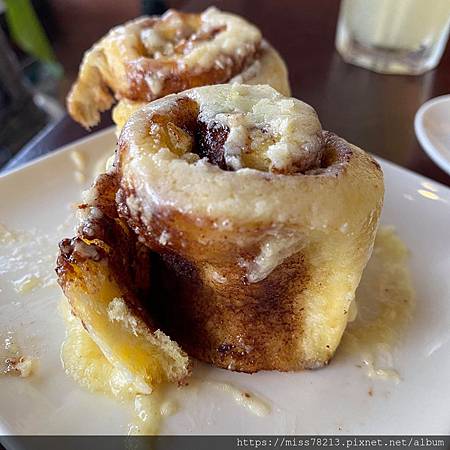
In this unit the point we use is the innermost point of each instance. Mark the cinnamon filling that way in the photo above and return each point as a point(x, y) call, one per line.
point(185, 131)
point(169, 76)
point(210, 140)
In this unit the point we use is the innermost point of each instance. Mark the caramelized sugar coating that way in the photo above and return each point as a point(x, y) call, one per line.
point(261, 224)
point(151, 57)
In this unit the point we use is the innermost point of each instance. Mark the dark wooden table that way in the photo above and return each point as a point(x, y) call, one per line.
point(375, 112)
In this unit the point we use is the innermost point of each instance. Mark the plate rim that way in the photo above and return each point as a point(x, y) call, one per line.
point(422, 136)
point(57, 151)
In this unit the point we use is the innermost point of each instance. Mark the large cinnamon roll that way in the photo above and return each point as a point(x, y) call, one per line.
point(261, 224)
point(151, 57)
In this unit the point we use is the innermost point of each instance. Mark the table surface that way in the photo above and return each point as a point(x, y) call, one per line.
point(375, 112)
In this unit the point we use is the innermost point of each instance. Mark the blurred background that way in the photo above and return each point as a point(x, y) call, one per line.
point(371, 109)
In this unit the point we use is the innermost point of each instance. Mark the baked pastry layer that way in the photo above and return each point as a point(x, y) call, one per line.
point(261, 221)
point(151, 57)
point(105, 274)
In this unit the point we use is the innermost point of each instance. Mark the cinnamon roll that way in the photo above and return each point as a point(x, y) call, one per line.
point(151, 57)
point(260, 224)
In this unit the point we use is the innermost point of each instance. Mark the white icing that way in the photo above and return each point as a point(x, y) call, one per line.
point(80, 177)
point(85, 250)
point(168, 408)
point(154, 82)
point(147, 409)
point(95, 212)
point(12, 362)
point(245, 399)
point(385, 303)
point(239, 38)
point(273, 252)
point(234, 145)
point(78, 159)
point(153, 41)
point(292, 125)
point(27, 283)
point(164, 238)
point(385, 374)
point(216, 276)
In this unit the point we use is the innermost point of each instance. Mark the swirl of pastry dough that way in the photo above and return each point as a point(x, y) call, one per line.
point(151, 57)
point(262, 222)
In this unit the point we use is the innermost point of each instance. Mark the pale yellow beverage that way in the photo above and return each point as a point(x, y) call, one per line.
point(393, 36)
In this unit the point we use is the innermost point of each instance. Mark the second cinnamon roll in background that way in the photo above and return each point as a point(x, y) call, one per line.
point(151, 57)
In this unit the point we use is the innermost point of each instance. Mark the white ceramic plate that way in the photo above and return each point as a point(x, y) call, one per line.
point(36, 199)
point(432, 125)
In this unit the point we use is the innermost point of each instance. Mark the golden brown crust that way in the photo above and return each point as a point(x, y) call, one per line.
point(249, 281)
point(232, 324)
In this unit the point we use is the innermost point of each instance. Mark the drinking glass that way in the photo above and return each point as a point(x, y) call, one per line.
point(393, 36)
